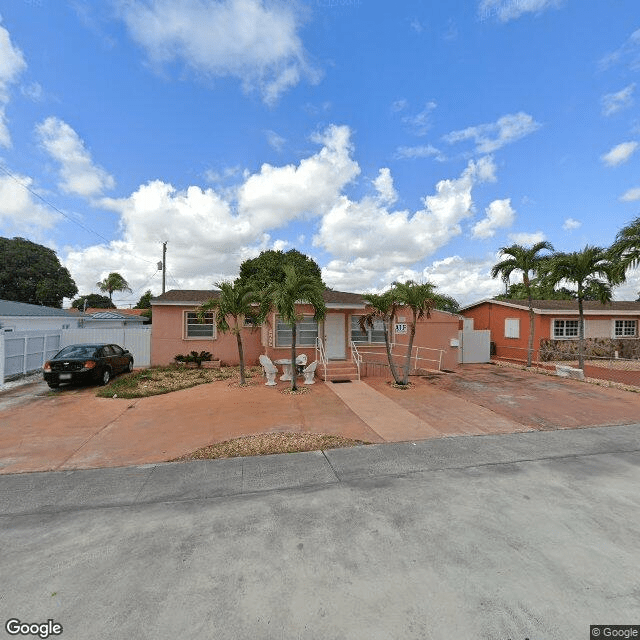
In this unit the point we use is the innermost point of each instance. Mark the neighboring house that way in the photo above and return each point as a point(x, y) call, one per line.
point(608, 328)
point(110, 319)
point(20, 316)
point(177, 330)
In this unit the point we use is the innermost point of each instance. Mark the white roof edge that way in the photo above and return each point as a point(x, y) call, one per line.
point(557, 312)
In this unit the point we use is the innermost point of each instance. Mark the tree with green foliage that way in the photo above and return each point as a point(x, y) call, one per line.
point(285, 293)
point(591, 269)
point(236, 302)
point(267, 268)
point(32, 273)
point(113, 282)
point(145, 300)
point(382, 308)
point(419, 298)
point(92, 301)
point(530, 262)
point(626, 247)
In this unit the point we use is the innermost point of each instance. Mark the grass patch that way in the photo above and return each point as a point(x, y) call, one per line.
point(159, 380)
point(269, 443)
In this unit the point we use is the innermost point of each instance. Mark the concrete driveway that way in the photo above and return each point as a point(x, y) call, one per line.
point(72, 429)
point(529, 535)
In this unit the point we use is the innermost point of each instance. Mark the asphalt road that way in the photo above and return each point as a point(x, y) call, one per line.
point(530, 535)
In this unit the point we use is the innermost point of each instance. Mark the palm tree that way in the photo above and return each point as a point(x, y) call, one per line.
point(382, 308)
point(420, 299)
point(113, 282)
point(295, 289)
point(590, 269)
point(626, 248)
point(235, 302)
point(530, 263)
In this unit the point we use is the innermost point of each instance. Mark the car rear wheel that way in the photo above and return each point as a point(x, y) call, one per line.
point(106, 376)
point(53, 385)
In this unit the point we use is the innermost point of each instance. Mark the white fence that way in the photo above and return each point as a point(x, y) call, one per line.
point(22, 352)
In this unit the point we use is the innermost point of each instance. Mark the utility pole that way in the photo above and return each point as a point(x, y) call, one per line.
point(164, 266)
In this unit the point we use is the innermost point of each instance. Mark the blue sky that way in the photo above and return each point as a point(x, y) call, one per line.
point(386, 140)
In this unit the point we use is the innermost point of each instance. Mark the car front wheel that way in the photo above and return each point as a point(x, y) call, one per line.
point(130, 366)
point(106, 376)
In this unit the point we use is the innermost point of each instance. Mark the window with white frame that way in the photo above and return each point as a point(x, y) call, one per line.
point(512, 327)
point(372, 335)
point(306, 332)
point(565, 329)
point(625, 328)
point(196, 328)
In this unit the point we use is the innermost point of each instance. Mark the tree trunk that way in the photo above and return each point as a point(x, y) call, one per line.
point(392, 364)
point(240, 354)
point(532, 325)
point(407, 362)
point(294, 386)
point(580, 330)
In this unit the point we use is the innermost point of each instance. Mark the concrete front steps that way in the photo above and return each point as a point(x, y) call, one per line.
point(338, 370)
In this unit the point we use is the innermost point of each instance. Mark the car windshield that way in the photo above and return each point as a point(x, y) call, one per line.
point(77, 351)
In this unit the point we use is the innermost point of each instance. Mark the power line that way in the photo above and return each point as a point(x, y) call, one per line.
point(62, 213)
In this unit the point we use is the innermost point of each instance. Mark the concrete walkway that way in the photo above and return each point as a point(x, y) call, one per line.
point(428, 413)
point(389, 420)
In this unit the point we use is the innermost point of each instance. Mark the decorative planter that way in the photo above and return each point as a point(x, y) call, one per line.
point(211, 364)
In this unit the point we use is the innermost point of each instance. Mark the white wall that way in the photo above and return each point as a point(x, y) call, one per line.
point(37, 323)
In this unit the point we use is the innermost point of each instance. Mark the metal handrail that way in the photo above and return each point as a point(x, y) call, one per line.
point(356, 357)
point(321, 355)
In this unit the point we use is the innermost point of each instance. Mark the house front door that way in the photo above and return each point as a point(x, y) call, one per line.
point(334, 338)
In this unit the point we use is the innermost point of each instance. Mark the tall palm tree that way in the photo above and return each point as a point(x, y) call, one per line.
point(420, 299)
point(589, 269)
point(113, 282)
point(285, 294)
point(626, 248)
point(382, 308)
point(235, 302)
point(530, 262)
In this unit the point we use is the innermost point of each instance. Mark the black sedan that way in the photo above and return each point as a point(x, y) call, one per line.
point(87, 363)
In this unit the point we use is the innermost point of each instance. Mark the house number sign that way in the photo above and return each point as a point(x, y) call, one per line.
point(401, 327)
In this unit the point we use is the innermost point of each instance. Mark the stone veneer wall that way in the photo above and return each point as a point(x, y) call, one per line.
point(627, 348)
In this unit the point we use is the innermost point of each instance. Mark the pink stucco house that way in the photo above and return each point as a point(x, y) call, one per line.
point(176, 329)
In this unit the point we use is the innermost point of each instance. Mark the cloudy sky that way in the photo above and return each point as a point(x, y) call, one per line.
point(386, 140)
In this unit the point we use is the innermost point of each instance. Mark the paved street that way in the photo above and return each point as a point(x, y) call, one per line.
point(526, 535)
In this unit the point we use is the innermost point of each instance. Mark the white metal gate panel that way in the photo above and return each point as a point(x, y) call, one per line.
point(474, 346)
point(137, 340)
point(27, 351)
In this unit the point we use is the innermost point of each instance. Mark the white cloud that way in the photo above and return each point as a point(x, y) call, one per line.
point(467, 280)
point(421, 151)
point(254, 41)
point(211, 231)
point(631, 195)
point(492, 136)
point(399, 105)
point(620, 153)
point(527, 239)
point(373, 245)
point(384, 186)
point(570, 224)
point(79, 175)
point(12, 64)
point(275, 140)
point(627, 54)
point(500, 215)
point(505, 10)
point(19, 211)
point(420, 123)
point(630, 288)
point(614, 102)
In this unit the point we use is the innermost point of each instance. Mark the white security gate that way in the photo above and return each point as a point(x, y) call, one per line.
point(22, 352)
point(474, 346)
